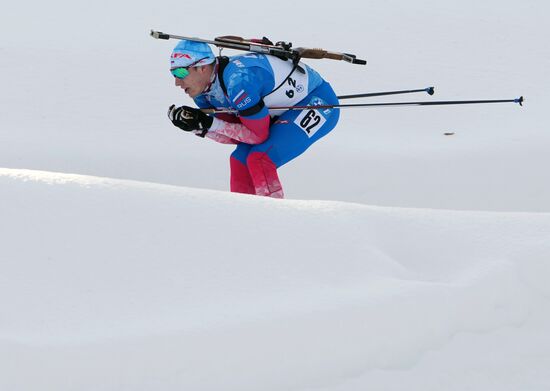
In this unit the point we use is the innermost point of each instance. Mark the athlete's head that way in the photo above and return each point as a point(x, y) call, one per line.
point(191, 65)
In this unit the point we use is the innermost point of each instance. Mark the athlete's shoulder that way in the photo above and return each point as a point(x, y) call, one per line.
point(248, 60)
point(239, 65)
point(246, 71)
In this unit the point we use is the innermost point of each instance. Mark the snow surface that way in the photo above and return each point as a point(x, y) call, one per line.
point(403, 259)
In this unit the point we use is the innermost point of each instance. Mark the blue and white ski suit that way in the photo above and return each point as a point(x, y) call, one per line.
point(267, 139)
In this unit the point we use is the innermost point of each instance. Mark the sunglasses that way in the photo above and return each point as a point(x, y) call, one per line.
point(182, 73)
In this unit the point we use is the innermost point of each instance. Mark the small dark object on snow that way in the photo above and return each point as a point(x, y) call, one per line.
point(449, 133)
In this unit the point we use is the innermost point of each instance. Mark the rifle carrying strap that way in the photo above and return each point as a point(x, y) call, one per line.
point(223, 61)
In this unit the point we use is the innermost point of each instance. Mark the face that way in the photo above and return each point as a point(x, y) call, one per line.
point(197, 80)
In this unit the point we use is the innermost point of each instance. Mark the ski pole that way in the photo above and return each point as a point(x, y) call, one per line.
point(429, 90)
point(358, 105)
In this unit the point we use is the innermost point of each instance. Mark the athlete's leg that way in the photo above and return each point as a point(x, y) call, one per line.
point(264, 175)
point(240, 181)
point(293, 133)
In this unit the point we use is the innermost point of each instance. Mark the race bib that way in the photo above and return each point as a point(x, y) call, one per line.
point(294, 88)
point(310, 121)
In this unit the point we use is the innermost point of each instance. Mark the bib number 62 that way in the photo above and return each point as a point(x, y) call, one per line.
point(310, 121)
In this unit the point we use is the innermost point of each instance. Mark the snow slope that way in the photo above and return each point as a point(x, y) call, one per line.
point(403, 258)
point(111, 284)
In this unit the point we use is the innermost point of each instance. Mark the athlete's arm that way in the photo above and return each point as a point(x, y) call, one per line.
point(244, 88)
point(220, 138)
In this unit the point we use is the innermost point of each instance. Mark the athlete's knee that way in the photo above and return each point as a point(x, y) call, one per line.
point(237, 156)
point(256, 158)
point(240, 180)
point(241, 152)
point(258, 130)
point(262, 136)
point(263, 173)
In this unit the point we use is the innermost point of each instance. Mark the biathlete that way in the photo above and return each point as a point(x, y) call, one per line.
point(250, 84)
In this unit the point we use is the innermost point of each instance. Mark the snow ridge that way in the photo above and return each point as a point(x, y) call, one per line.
point(103, 267)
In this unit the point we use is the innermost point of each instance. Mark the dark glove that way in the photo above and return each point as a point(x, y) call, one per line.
point(190, 119)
